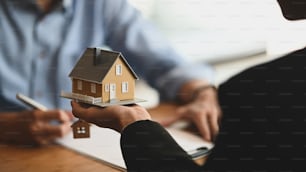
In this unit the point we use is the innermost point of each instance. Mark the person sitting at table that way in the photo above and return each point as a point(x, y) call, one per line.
point(41, 40)
point(262, 129)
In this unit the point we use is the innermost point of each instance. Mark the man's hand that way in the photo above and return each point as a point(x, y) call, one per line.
point(34, 127)
point(199, 105)
point(204, 112)
point(114, 117)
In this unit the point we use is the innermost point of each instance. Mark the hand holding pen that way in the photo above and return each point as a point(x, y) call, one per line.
point(35, 127)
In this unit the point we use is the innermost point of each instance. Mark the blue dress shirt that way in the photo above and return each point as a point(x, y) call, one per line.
point(38, 51)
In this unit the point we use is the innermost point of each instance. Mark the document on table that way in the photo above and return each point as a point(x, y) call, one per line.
point(104, 144)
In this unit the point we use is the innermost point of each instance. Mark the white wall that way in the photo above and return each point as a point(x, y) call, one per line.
point(253, 20)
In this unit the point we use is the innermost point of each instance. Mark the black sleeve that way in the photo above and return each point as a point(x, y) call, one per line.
point(264, 118)
point(147, 146)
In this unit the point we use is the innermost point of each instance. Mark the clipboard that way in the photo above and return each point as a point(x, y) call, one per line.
point(199, 152)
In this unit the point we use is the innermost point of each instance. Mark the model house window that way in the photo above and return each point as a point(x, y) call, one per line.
point(106, 87)
point(125, 86)
point(79, 85)
point(118, 69)
point(93, 88)
point(81, 130)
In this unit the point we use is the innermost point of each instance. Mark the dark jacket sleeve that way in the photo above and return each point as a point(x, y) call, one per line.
point(147, 146)
point(263, 125)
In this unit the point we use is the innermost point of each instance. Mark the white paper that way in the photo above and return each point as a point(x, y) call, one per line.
point(104, 144)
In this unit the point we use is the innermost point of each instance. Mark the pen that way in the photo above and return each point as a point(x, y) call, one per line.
point(30, 102)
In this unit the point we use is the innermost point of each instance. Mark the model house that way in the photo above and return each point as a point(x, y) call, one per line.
point(102, 76)
point(80, 129)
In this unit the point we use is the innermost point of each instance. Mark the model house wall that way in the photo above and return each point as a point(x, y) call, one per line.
point(86, 87)
point(124, 82)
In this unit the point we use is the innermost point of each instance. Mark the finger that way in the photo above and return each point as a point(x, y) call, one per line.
point(58, 132)
point(213, 121)
point(202, 124)
point(43, 129)
point(92, 114)
point(58, 115)
point(103, 117)
point(78, 110)
point(46, 133)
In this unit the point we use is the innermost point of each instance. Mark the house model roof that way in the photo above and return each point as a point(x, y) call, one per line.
point(95, 64)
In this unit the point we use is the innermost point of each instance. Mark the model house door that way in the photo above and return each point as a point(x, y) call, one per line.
point(112, 91)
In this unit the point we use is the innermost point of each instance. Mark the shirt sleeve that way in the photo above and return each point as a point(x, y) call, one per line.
point(147, 146)
point(149, 54)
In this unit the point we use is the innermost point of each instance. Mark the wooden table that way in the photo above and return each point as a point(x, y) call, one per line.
point(55, 158)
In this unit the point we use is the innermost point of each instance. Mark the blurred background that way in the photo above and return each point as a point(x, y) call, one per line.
point(230, 35)
point(215, 30)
